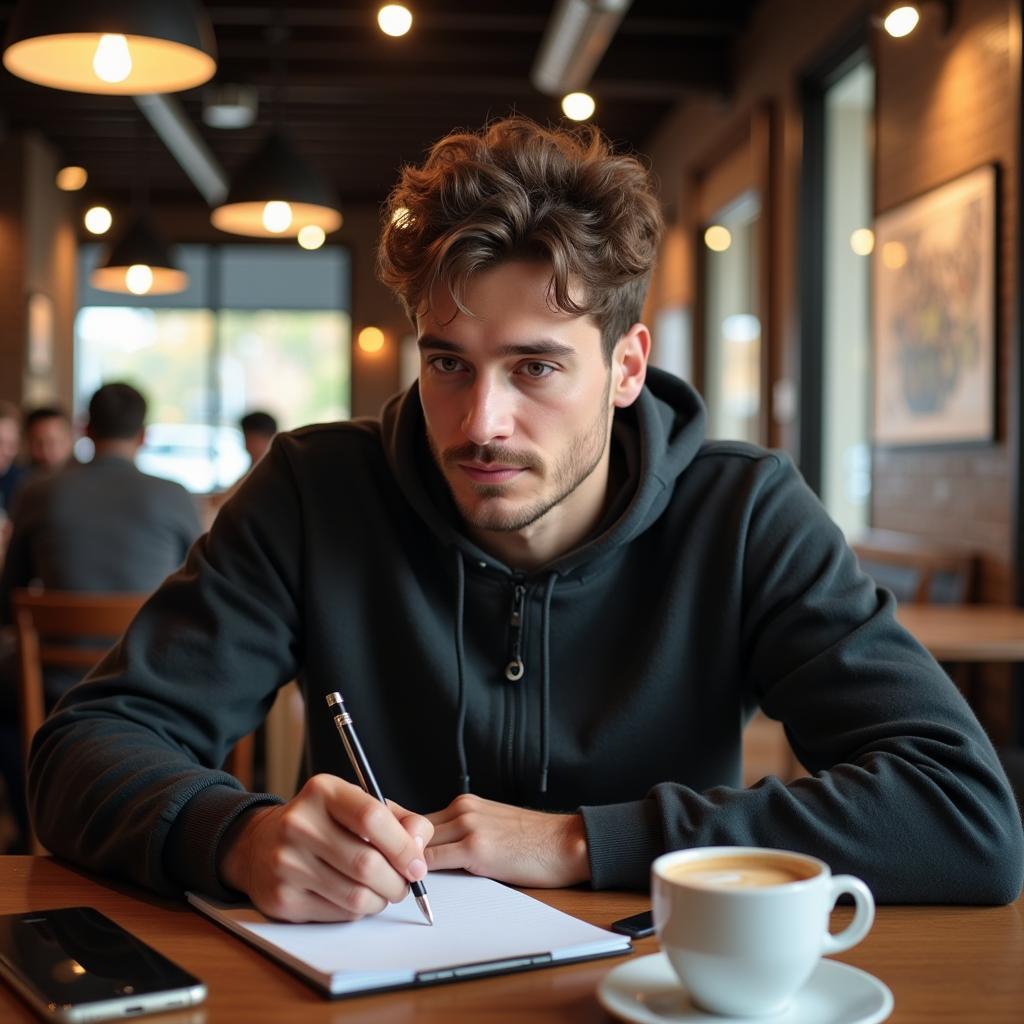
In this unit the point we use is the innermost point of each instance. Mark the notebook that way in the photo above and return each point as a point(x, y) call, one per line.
point(481, 927)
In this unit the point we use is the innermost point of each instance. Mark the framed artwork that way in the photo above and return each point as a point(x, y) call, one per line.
point(934, 320)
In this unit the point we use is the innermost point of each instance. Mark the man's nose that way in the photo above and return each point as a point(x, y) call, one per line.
point(490, 413)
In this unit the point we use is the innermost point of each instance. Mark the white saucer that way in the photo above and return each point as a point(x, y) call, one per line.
point(648, 991)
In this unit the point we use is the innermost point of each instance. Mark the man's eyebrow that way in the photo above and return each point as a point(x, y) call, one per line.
point(539, 347)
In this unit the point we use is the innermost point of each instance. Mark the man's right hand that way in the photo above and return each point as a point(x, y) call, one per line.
point(332, 853)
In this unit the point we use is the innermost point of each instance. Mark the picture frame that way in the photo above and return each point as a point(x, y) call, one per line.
point(934, 316)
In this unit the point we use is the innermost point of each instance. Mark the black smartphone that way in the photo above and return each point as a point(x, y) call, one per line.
point(639, 926)
point(75, 965)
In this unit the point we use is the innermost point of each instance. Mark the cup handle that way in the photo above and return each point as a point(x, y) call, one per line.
point(863, 917)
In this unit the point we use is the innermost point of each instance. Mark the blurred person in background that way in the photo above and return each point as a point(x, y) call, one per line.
point(49, 438)
point(258, 430)
point(11, 473)
point(103, 525)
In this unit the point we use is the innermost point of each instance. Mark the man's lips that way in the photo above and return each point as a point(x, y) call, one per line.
point(490, 473)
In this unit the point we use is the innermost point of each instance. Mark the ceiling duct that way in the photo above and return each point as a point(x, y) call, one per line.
point(574, 42)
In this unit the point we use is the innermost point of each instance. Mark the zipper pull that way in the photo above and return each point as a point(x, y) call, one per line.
point(515, 669)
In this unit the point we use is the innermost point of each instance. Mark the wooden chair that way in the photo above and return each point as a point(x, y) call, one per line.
point(64, 629)
point(917, 570)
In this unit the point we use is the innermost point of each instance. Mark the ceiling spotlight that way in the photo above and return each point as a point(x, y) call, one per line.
point(394, 19)
point(900, 18)
point(98, 220)
point(72, 178)
point(124, 47)
point(578, 105)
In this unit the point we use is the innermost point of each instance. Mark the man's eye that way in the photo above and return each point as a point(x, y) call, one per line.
point(446, 364)
point(538, 370)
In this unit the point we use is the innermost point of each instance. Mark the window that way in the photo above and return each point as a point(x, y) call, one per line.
point(258, 327)
point(732, 328)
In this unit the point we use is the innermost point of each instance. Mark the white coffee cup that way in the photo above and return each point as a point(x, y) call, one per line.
point(744, 927)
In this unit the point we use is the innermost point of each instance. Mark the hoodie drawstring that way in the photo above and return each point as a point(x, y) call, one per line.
point(545, 682)
point(460, 658)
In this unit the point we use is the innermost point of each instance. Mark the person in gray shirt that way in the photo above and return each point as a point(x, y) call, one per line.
point(103, 525)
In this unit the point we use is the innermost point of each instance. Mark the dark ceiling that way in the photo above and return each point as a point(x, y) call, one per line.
point(359, 104)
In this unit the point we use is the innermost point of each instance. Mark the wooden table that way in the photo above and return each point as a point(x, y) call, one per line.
point(942, 963)
point(967, 632)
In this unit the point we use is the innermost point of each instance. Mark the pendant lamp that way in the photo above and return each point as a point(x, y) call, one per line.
point(275, 194)
point(123, 47)
point(139, 263)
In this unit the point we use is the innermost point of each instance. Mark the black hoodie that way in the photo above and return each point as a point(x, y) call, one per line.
point(616, 680)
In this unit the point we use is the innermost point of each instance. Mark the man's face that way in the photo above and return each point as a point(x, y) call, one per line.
point(517, 400)
point(256, 444)
point(49, 443)
point(10, 438)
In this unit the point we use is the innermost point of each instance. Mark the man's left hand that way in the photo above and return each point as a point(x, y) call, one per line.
point(510, 844)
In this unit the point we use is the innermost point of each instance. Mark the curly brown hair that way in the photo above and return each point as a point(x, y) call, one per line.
point(516, 190)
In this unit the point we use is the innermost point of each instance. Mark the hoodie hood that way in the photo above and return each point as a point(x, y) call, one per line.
point(658, 437)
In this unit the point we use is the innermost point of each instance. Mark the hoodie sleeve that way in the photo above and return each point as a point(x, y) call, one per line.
point(905, 789)
point(124, 777)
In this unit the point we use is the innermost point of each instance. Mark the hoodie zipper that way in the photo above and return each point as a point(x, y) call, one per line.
point(514, 671)
point(515, 668)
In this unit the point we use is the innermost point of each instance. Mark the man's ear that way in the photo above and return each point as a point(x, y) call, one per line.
point(629, 365)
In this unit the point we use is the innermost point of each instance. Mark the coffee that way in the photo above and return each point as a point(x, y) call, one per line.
point(743, 871)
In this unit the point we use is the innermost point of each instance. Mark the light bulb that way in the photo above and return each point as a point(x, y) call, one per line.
point(394, 20)
point(277, 216)
point(112, 62)
point(862, 241)
point(578, 105)
point(98, 220)
point(311, 236)
point(717, 238)
point(138, 278)
point(371, 339)
point(901, 21)
point(71, 179)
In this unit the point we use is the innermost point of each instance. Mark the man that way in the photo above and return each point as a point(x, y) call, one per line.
point(103, 525)
point(549, 603)
point(48, 438)
point(258, 430)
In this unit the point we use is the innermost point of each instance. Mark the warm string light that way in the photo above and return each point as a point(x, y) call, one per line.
point(98, 220)
point(578, 106)
point(862, 241)
point(312, 236)
point(901, 21)
point(717, 238)
point(394, 19)
point(72, 178)
point(371, 339)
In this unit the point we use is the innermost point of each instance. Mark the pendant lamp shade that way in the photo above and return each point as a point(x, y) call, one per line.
point(139, 263)
point(122, 47)
point(275, 194)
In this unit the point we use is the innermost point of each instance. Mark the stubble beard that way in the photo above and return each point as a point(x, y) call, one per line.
point(582, 457)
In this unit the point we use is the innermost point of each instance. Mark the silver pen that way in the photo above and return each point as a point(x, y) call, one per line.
point(361, 766)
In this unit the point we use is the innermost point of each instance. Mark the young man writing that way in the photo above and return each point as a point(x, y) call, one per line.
point(549, 601)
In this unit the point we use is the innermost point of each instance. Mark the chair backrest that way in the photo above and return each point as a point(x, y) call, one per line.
point(916, 570)
point(62, 629)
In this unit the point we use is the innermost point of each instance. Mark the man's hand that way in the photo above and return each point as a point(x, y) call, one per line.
point(510, 844)
point(332, 853)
